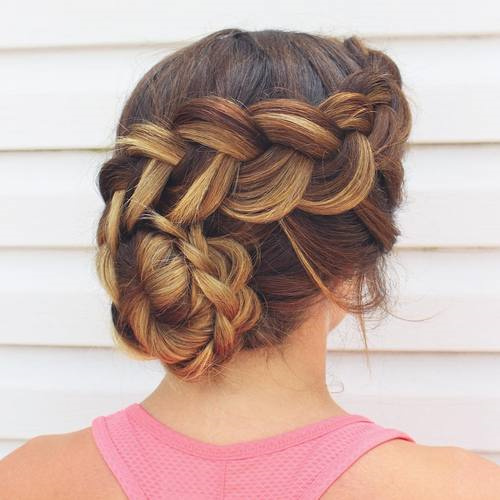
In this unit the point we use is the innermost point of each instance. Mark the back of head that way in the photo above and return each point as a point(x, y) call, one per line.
point(253, 174)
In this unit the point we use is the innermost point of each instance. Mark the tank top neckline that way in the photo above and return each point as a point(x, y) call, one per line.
point(139, 416)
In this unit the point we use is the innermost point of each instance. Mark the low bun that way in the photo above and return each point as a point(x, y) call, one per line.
point(234, 200)
point(185, 296)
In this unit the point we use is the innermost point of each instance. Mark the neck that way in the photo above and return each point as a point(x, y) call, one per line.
point(275, 390)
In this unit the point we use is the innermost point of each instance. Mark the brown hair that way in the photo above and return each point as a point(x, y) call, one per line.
point(253, 173)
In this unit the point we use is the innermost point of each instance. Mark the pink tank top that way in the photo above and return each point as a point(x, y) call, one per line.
point(153, 461)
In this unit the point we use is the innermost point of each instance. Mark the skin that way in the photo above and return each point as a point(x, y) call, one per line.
point(259, 396)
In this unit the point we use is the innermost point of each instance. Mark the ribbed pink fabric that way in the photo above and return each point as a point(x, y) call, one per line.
point(153, 461)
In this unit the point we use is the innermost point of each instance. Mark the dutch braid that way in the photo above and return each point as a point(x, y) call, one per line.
point(184, 296)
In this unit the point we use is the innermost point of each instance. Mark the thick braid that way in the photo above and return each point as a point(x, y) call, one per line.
point(182, 296)
point(340, 124)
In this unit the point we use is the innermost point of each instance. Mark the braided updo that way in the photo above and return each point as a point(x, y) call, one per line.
point(253, 173)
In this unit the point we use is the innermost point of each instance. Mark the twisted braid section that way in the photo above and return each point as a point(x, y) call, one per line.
point(185, 296)
point(190, 303)
point(256, 148)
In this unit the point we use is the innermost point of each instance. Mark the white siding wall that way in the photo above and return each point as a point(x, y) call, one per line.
point(66, 68)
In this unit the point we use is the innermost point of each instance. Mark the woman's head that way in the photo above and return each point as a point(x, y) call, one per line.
point(254, 173)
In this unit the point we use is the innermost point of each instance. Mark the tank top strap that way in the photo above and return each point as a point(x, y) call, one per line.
point(111, 434)
point(365, 436)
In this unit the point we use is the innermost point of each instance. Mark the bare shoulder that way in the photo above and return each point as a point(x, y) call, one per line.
point(401, 469)
point(58, 466)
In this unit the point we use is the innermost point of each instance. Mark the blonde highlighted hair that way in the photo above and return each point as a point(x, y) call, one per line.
point(253, 173)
